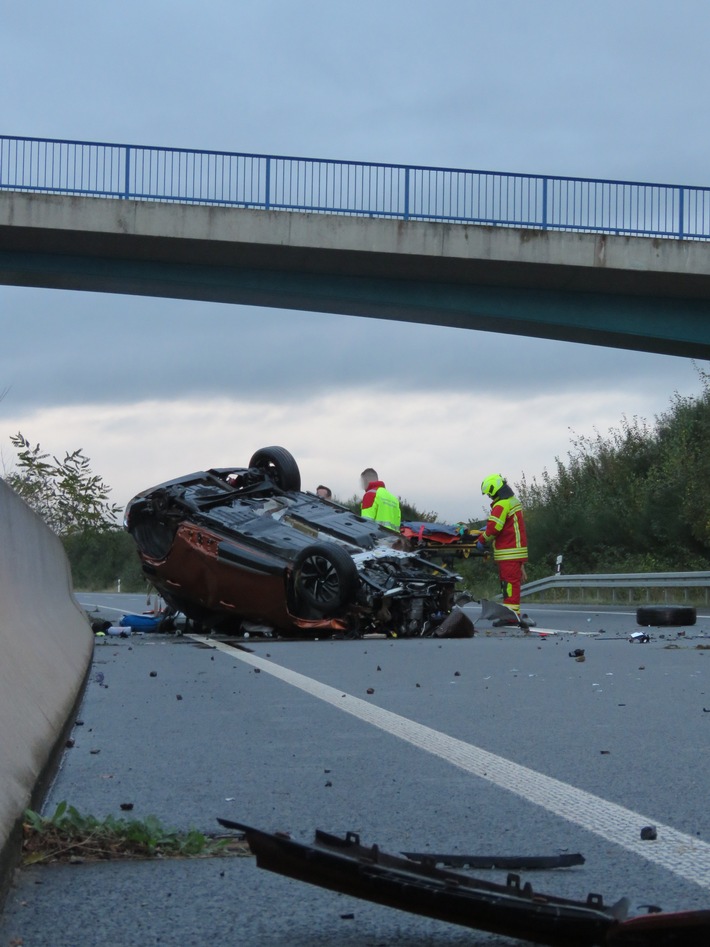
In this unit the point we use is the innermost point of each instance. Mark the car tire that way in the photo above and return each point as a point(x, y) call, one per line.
point(666, 615)
point(324, 578)
point(280, 465)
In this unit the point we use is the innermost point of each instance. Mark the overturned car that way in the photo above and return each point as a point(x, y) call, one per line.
point(242, 549)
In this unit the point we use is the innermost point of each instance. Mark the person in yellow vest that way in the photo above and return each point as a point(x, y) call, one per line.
point(378, 503)
point(505, 530)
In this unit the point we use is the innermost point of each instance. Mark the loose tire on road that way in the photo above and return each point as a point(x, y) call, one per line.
point(671, 615)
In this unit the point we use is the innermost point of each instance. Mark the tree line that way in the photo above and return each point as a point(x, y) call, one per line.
point(632, 500)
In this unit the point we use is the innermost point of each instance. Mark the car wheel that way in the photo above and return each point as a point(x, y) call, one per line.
point(666, 615)
point(280, 465)
point(324, 577)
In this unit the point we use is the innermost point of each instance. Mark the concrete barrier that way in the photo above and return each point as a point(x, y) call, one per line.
point(46, 645)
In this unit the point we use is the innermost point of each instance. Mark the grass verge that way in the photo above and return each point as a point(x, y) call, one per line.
point(69, 836)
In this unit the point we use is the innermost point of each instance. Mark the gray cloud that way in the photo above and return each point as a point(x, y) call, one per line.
point(70, 348)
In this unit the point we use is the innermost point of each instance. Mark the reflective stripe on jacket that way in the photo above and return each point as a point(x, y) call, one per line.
point(506, 529)
point(381, 505)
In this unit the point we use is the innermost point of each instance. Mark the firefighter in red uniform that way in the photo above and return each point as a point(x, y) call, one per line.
point(505, 529)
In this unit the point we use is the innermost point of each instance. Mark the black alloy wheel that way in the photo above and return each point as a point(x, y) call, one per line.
point(325, 578)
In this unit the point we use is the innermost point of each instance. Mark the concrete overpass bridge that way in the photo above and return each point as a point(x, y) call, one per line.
point(621, 264)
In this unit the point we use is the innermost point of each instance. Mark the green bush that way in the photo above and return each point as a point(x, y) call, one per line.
point(99, 559)
point(631, 501)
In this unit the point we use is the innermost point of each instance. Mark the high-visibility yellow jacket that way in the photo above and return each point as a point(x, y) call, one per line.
point(506, 527)
point(381, 505)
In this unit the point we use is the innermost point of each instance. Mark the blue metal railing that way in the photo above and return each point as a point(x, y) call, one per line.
point(276, 182)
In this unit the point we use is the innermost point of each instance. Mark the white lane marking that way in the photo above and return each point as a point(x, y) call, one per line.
point(682, 854)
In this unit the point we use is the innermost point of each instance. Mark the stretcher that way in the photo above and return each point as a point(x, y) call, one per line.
point(442, 538)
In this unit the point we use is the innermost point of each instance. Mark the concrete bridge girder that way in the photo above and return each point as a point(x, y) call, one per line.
point(619, 291)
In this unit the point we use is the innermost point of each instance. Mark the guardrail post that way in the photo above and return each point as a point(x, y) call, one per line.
point(267, 185)
point(681, 212)
point(406, 193)
point(127, 180)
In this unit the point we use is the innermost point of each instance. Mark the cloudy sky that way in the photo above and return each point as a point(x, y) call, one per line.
point(151, 388)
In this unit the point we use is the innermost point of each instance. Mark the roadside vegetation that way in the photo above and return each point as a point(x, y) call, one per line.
point(633, 500)
point(67, 835)
point(74, 502)
point(630, 500)
point(66, 493)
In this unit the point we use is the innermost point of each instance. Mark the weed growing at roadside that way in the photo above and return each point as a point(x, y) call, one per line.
point(67, 835)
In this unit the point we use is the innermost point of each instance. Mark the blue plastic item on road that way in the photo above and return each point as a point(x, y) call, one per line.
point(140, 622)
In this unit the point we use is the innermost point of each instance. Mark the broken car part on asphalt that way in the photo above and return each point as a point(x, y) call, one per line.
point(505, 862)
point(503, 615)
point(513, 909)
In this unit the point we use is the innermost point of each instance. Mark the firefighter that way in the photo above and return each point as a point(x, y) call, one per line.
point(505, 530)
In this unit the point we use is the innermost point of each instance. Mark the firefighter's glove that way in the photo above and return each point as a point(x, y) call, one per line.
point(480, 546)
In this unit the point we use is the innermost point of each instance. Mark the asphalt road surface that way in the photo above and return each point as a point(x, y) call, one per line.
point(502, 744)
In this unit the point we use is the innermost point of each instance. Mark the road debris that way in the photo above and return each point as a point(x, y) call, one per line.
point(505, 862)
point(512, 909)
